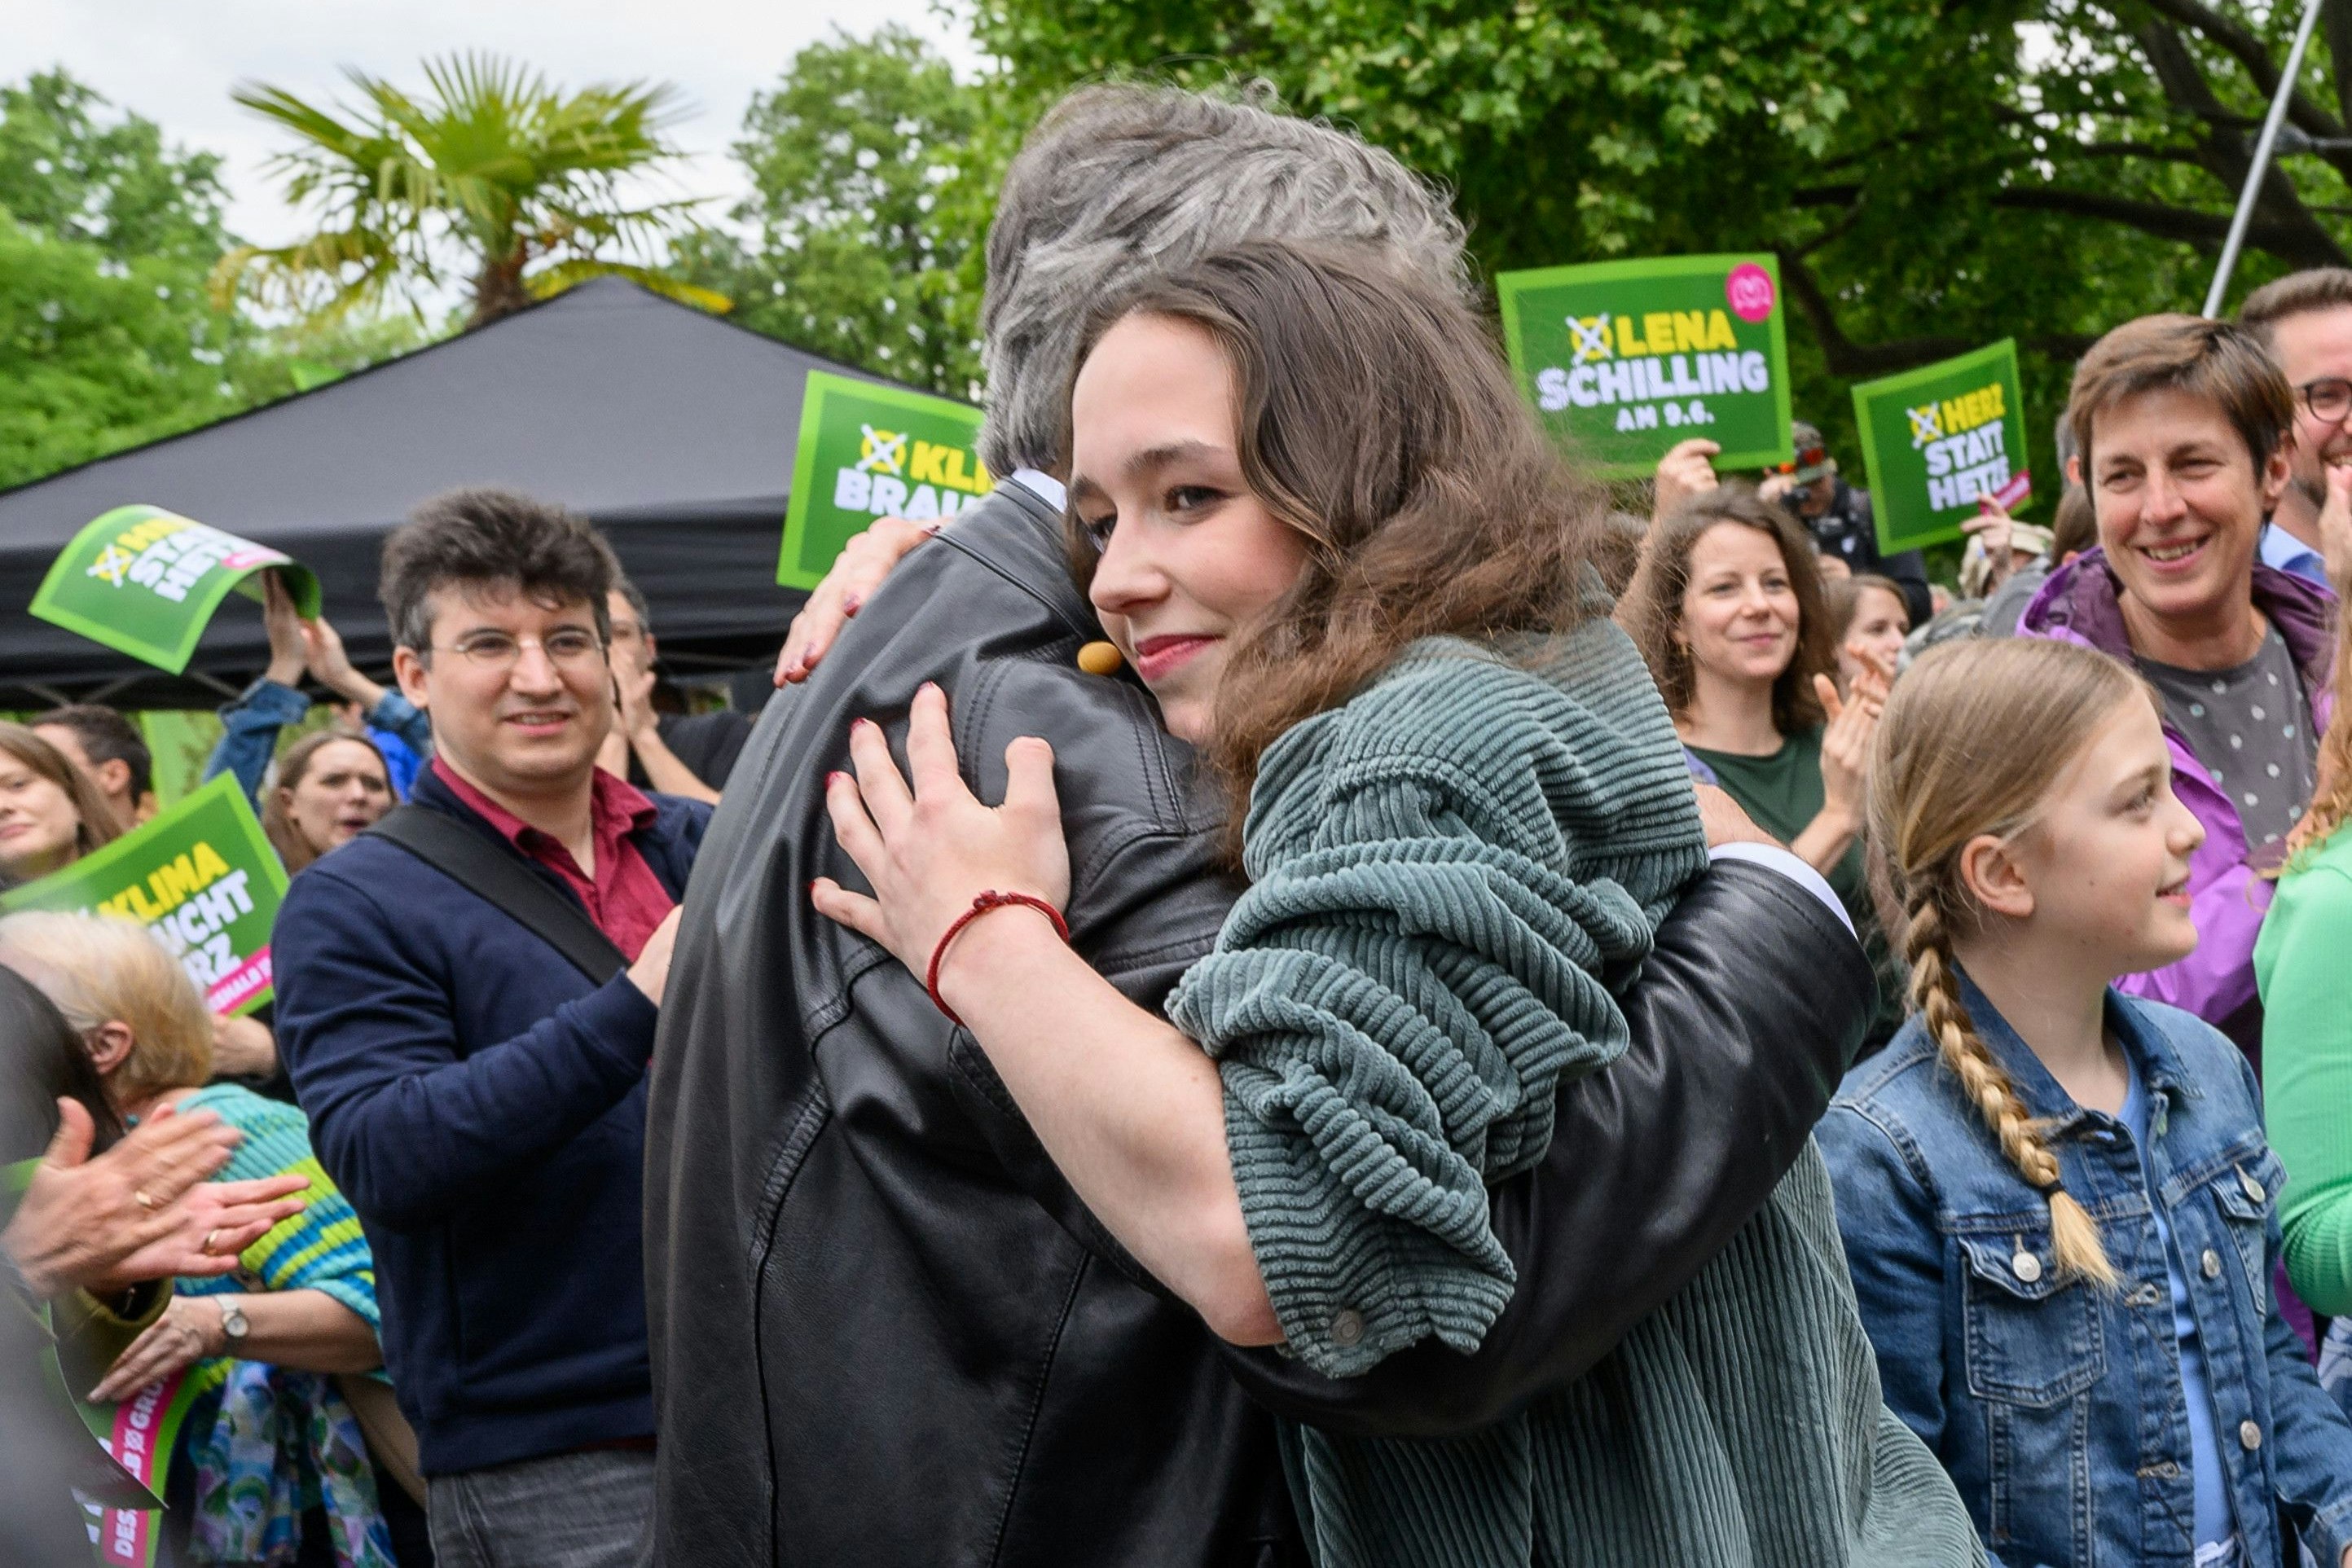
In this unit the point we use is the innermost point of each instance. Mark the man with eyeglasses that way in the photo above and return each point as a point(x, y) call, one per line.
point(2306, 320)
point(479, 1097)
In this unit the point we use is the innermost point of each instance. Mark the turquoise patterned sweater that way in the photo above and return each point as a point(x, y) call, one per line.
point(320, 1248)
point(1451, 877)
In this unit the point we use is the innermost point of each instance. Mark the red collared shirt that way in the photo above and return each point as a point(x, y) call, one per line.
point(624, 898)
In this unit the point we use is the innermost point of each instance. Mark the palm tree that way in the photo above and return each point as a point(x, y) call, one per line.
point(491, 172)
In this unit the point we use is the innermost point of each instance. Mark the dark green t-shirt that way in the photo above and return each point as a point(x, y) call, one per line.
point(1783, 793)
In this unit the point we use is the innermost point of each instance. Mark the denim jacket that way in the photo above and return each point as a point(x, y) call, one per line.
point(249, 728)
point(2057, 1407)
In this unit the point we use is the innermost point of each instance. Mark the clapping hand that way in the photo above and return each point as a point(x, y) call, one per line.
point(143, 1210)
point(1846, 739)
point(2335, 526)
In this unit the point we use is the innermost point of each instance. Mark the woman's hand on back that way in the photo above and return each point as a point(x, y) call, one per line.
point(864, 563)
point(929, 851)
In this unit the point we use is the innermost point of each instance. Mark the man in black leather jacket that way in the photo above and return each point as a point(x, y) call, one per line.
point(887, 1332)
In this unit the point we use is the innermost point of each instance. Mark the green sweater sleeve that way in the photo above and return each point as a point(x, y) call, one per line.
point(1448, 876)
point(2307, 1076)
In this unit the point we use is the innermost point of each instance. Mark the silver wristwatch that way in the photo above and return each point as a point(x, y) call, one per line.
point(234, 1326)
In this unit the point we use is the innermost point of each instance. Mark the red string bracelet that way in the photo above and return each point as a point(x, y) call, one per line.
point(992, 899)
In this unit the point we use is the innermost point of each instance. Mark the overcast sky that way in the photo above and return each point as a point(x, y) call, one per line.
point(174, 62)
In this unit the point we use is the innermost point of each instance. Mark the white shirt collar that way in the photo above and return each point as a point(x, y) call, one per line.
point(1043, 485)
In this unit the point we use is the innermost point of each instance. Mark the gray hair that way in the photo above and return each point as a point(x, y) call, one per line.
point(1118, 181)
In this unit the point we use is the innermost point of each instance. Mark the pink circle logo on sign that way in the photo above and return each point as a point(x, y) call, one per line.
point(1748, 288)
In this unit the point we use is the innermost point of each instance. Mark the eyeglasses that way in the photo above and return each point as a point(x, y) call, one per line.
point(497, 650)
point(2329, 398)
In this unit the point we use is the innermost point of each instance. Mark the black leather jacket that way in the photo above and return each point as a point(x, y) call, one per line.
point(886, 1332)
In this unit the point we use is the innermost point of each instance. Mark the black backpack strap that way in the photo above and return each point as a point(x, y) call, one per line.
point(495, 873)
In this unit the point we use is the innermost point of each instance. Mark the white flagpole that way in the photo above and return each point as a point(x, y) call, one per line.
point(2245, 212)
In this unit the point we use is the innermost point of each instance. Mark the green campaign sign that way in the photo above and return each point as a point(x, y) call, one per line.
point(1936, 438)
point(1624, 359)
point(868, 452)
point(201, 876)
point(145, 581)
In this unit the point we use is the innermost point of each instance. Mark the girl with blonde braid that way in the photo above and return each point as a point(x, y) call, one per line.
point(2056, 1199)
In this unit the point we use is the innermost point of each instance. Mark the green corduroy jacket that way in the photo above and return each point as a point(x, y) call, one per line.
point(1450, 876)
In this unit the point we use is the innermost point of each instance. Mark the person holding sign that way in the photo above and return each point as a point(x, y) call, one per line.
point(97, 1222)
point(2181, 426)
point(251, 724)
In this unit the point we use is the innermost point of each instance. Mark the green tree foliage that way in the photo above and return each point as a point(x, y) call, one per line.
point(1932, 175)
point(114, 186)
point(106, 234)
point(520, 188)
point(864, 215)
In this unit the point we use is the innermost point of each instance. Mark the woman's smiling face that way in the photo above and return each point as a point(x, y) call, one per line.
point(1739, 608)
point(1190, 555)
point(39, 825)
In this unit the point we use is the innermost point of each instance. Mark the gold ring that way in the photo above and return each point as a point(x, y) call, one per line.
point(144, 1199)
point(211, 1236)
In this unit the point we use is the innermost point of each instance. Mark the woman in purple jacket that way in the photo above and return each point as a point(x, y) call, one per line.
point(2181, 424)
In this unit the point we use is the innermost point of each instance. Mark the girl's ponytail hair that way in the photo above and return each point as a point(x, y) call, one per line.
point(1973, 736)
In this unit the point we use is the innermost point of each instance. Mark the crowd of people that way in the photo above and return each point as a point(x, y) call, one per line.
point(1291, 987)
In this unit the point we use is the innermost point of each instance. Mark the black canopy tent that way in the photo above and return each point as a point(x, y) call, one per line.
point(671, 429)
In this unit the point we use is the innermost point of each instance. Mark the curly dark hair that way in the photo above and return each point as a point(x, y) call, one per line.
point(1374, 416)
point(489, 539)
point(1654, 606)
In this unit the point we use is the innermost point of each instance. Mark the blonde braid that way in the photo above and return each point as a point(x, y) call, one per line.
point(1936, 994)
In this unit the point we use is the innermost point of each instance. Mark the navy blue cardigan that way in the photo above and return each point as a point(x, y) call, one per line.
point(483, 1106)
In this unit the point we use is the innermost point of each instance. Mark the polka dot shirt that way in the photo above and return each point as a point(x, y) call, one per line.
point(2251, 728)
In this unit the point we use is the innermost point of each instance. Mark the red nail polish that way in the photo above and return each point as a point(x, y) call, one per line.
point(851, 605)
